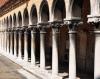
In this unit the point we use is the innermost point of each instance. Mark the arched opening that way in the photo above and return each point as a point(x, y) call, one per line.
point(22, 34)
point(4, 23)
point(26, 23)
point(59, 10)
point(10, 21)
point(14, 25)
point(77, 8)
point(26, 17)
point(14, 20)
point(44, 17)
point(10, 26)
point(33, 15)
point(7, 23)
point(34, 20)
point(85, 41)
point(7, 40)
point(59, 13)
point(44, 12)
point(19, 19)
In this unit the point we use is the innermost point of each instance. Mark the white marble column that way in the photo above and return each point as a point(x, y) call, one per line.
point(72, 55)
point(25, 46)
point(33, 48)
point(19, 41)
point(15, 43)
point(97, 55)
point(11, 52)
point(8, 42)
point(3, 41)
point(42, 48)
point(0, 40)
point(55, 32)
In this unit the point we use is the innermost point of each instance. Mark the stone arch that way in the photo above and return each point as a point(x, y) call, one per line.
point(19, 19)
point(44, 12)
point(33, 15)
point(14, 20)
point(58, 10)
point(26, 17)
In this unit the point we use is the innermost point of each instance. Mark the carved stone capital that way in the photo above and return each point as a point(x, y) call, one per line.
point(93, 18)
point(72, 24)
point(56, 24)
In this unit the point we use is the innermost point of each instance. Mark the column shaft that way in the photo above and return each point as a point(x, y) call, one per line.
point(97, 56)
point(42, 49)
point(20, 50)
point(26, 46)
point(7, 42)
point(33, 47)
point(15, 44)
point(55, 32)
point(11, 43)
point(72, 56)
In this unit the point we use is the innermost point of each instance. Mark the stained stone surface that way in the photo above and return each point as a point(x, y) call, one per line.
point(8, 69)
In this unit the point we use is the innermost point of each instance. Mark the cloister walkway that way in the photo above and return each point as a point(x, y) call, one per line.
point(10, 70)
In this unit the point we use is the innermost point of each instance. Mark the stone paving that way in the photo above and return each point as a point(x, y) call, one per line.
point(9, 70)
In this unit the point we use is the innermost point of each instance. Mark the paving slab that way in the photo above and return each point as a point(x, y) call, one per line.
point(11, 70)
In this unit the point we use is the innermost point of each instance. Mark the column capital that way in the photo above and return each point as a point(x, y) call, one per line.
point(42, 26)
point(33, 28)
point(72, 32)
point(56, 24)
point(72, 24)
point(42, 30)
point(93, 18)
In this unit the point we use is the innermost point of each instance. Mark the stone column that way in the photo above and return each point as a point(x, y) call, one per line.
point(97, 55)
point(72, 24)
point(95, 21)
point(42, 48)
point(0, 40)
point(11, 52)
point(33, 48)
point(19, 40)
point(8, 42)
point(72, 55)
point(15, 44)
point(55, 32)
point(25, 46)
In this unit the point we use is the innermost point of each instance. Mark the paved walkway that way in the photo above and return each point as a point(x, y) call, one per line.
point(10, 70)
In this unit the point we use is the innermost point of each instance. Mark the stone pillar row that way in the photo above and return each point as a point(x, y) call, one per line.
point(72, 24)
